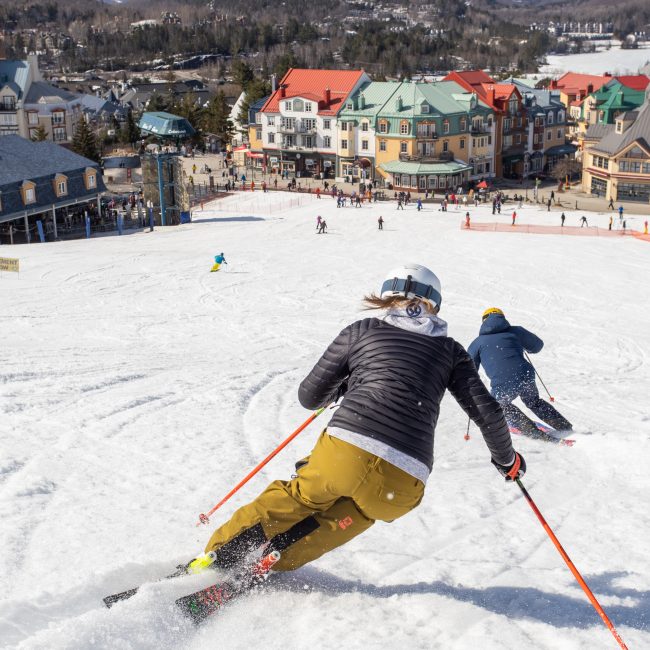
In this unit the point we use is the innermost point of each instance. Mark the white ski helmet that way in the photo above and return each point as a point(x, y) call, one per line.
point(413, 281)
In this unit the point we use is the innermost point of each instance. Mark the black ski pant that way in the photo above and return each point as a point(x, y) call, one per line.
point(530, 397)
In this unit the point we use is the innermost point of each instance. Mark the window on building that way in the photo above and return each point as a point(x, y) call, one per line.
point(91, 181)
point(445, 126)
point(404, 128)
point(8, 103)
point(59, 134)
point(382, 145)
point(487, 167)
point(298, 105)
point(327, 141)
point(403, 147)
point(271, 138)
point(462, 143)
point(507, 124)
point(258, 134)
point(327, 125)
point(364, 126)
point(307, 141)
point(287, 106)
point(271, 120)
point(344, 144)
point(445, 145)
point(489, 139)
point(309, 124)
point(61, 188)
point(364, 145)
point(30, 195)
point(549, 117)
point(463, 124)
point(58, 117)
point(559, 133)
point(383, 127)
point(424, 107)
point(549, 134)
point(518, 138)
point(32, 118)
point(308, 106)
point(349, 106)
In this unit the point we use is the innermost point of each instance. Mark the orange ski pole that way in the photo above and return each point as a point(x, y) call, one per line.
point(572, 568)
point(205, 518)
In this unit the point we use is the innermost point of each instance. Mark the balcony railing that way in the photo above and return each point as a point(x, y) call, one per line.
point(297, 128)
point(443, 156)
point(7, 106)
point(431, 135)
point(479, 130)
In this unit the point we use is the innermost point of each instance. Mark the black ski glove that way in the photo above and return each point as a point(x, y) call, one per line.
point(516, 470)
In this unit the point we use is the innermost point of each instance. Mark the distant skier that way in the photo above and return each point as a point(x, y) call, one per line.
point(583, 221)
point(323, 227)
point(373, 459)
point(562, 219)
point(467, 220)
point(620, 213)
point(318, 222)
point(514, 217)
point(380, 222)
point(218, 261)
point(611, 204)
point(419, 204)
point(500, 348)
point(611, 221)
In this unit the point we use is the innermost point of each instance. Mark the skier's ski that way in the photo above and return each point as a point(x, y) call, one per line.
point(197, 565)
point(545, 434)
point(201, 604)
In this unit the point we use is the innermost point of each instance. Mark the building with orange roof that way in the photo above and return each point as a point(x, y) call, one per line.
point(296, 130)
point(574, 85)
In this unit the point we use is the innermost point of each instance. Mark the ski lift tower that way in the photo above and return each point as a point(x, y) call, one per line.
point(162, 170)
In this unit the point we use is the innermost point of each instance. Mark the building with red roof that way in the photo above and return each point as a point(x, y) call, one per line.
point(510, 118)
point(574, 85)
point(297, 129)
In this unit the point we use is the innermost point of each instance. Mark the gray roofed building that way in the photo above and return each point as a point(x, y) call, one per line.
point(39, 178)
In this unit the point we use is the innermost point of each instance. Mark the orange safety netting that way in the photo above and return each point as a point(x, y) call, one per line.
point(591, 231)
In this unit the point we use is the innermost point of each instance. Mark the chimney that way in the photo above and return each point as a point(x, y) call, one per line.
point(362, 101)
point(590, 89)
point(553, 85)
point(607, 74)
point(399, 104)
point(283, 90)
point(491, 95)
point(328, 96)
point(273, 83)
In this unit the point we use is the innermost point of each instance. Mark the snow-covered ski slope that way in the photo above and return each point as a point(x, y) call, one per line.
point(136, 388)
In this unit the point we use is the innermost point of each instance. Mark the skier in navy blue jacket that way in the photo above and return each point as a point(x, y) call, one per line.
point(500, 349)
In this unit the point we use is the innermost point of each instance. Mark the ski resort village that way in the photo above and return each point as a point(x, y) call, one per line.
point(324, 357)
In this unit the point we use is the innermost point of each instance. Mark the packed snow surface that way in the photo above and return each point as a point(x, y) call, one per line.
point(138, 388)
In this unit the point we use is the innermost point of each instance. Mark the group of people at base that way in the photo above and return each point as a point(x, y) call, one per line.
point(372, 461)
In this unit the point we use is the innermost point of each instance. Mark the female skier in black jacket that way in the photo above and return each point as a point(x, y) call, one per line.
point(373, 459)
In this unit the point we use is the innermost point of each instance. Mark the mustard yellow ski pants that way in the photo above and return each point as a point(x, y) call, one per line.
point(344, 488)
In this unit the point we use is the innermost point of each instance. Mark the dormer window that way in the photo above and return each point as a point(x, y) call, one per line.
point(60, 185)
point(28, 191)
point(549, 118)
point(90, 178)
point(445, 126)
point(619, 126)
point(298, 105)
point(424, 107)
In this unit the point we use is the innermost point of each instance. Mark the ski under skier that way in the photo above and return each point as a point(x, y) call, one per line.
point(500, 349)
point(375, 456)
point(218, 261)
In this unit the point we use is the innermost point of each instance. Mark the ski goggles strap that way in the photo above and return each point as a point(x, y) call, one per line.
point(409, 285)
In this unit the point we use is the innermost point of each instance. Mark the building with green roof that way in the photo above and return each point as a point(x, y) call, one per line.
point(416, 135)
point(609, 101)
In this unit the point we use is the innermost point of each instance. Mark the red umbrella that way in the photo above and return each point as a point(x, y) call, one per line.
point(482, 185)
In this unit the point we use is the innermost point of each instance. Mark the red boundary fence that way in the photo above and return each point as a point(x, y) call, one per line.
point(592, 231)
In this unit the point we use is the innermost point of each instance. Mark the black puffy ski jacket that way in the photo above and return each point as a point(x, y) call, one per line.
point(396, 380)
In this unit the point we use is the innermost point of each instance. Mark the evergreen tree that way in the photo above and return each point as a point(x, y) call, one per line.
point(216, 118)
point(131, 128)
point(257, 89)
point(84, 142)
point(39, 134)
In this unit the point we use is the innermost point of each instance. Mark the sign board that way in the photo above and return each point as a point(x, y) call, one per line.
point(10, 264)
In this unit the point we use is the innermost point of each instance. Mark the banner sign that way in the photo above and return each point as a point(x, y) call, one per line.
point(9, 264)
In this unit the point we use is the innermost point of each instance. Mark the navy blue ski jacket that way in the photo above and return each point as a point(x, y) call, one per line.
point(499, 348)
